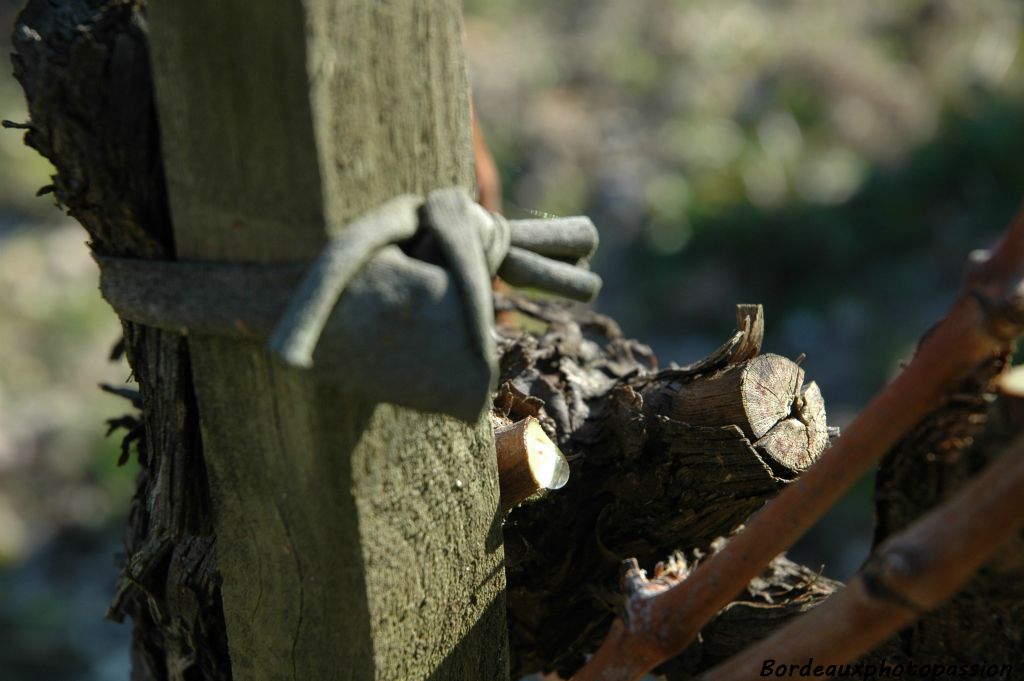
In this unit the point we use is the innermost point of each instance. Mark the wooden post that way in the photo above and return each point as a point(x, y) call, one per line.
point(355, 540)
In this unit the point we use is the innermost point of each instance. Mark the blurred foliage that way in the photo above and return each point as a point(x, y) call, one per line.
point(63, 499)
point(22, 171)
point(56, 467)
point(833, 161)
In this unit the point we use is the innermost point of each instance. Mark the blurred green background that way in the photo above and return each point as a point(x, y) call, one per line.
point(833, 161)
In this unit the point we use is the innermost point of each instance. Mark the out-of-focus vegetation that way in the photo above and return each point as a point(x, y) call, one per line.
point(62, 497)
point(834, 161)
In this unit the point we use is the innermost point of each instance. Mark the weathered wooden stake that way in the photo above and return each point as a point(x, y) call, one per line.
point(355, 540)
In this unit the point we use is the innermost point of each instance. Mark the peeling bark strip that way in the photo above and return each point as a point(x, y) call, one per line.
point(643, 483)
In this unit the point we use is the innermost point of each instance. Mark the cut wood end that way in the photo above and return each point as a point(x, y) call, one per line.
point(766, 398)
point(770, 386)
point(548, 465)
point(1012, 382)
point(528, 461)
point(797, 442)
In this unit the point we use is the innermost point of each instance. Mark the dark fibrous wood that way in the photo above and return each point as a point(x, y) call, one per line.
point(929, 466)
point(643, 482)
point(84, 67)
point(85, 70)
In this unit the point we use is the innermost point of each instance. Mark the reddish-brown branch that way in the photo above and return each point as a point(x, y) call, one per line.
point(488, 181)
point(983, 320)
point(909, 574)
